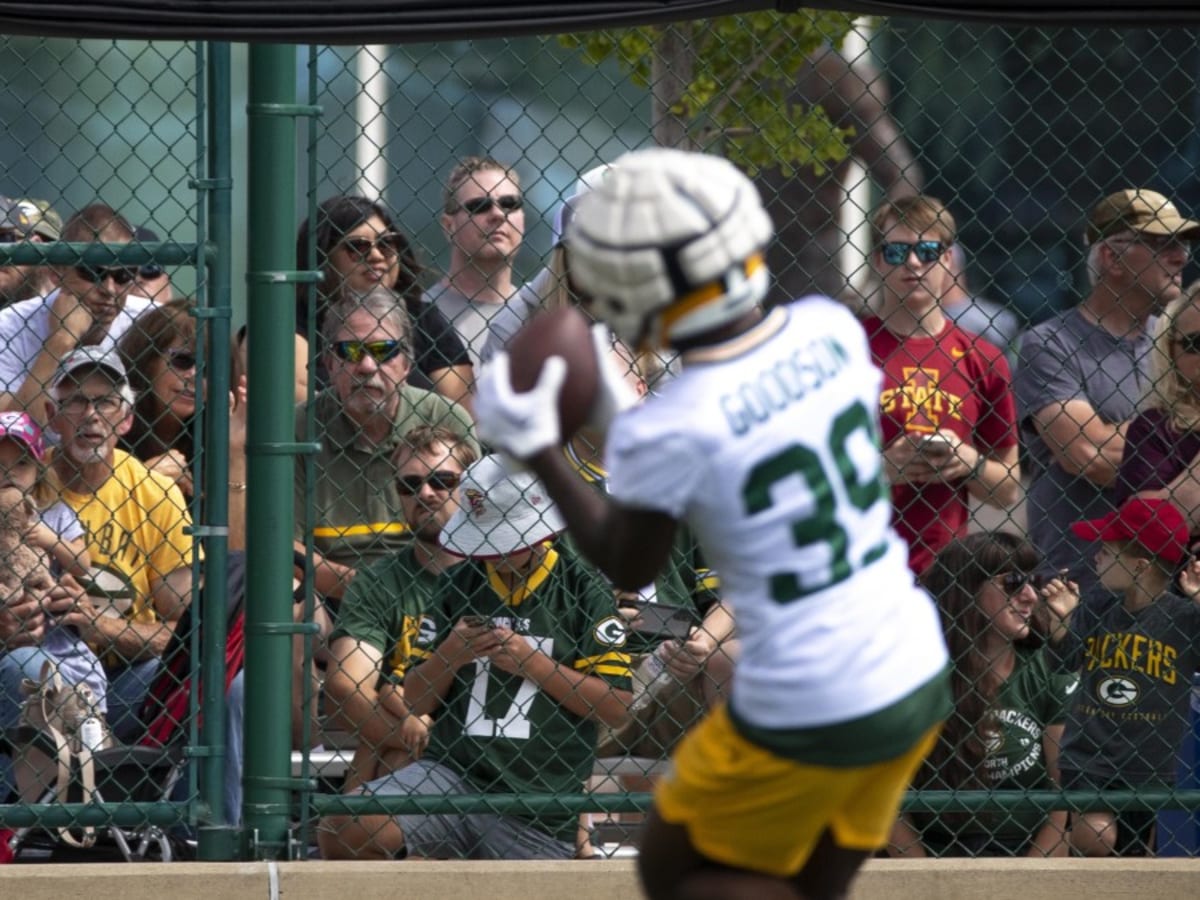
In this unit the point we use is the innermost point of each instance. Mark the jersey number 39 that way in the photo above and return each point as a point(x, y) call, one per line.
point(821, 525)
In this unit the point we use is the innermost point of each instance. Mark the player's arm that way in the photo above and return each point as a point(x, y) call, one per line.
point(630, 546)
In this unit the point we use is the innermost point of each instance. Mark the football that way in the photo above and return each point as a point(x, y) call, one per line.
point(560, 332)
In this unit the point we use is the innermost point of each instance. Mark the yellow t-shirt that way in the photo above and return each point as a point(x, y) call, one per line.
point(135, 534)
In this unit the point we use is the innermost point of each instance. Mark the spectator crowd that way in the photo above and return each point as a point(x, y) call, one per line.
point(466, 646)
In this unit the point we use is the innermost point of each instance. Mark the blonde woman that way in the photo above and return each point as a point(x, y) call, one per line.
point(1162, 443)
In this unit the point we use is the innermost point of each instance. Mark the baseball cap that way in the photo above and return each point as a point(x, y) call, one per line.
point(22, 429)
point(30, 217)
point(502, 512)
point(1156, 525)
point(92, 357)
point(1140, 210)
point(587, 182)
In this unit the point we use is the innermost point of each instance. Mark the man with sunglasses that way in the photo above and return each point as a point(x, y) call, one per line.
point(947, 415)
point(1081, 373)
point(483, 219)
point(26, 220)
point(361, 420)
point(387, 606)
point(92, 307)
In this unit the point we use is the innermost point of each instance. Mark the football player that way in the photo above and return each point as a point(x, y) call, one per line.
point(767, 446)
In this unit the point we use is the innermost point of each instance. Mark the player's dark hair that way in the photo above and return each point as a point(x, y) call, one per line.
point(954, 579)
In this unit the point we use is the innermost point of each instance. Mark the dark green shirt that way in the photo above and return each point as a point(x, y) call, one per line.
point(387, 607)
point(356, 510)
point(501, 731)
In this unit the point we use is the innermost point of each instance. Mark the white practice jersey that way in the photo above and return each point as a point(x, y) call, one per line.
point(767, 446)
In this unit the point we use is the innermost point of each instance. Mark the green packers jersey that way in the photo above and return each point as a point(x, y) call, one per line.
point(500, 730)
point(386, 606)
point(684, 581)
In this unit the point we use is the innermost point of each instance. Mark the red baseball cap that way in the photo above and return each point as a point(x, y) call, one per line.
point(1157, 525)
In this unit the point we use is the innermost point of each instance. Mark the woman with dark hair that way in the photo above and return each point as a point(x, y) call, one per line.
point(358, 247)
point(159, 354)
point(1009, 706)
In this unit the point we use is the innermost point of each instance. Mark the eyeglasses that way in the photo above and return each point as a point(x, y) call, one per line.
point(478, 206)
point(97, 274)
point(362, 246)
point(78, 404)
point(410, 485)
point(896, 253)
point(1189, 343)
point(1014, 582)
point(380, 351)
point(181, 360)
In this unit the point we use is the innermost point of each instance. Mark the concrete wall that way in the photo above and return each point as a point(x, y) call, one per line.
point(607, 880)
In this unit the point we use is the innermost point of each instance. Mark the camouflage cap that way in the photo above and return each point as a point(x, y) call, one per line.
point(30, 217)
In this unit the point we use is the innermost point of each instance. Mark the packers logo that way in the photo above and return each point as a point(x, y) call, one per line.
point(1117, 691)
point(611, 631)
point(426, 632)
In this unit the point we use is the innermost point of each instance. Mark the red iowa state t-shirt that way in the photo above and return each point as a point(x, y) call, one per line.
point(955, 381)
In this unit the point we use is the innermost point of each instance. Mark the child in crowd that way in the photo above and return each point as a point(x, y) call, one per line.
point(1136, 645)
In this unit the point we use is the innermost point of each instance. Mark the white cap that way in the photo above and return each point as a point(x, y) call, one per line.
point(502, 512)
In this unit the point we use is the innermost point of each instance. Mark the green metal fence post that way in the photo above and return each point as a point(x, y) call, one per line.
point(271, 317)
point(215, 291)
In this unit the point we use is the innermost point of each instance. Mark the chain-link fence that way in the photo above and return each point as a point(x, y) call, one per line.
point(1007, 210)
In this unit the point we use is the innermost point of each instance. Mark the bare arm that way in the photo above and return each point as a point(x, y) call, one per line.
point(586, 696)
point(425, 686)
point(905, 842)
point(1051, 839)
point(350, 687)
point(1082, 443)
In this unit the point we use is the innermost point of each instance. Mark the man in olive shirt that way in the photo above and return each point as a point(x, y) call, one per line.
point(361, 420)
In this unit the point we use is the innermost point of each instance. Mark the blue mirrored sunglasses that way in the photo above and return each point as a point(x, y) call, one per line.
point(895, 253)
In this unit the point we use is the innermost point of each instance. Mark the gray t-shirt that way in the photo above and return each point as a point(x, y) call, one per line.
point(1068, 358)
point(469, 318)
point(1128, 715)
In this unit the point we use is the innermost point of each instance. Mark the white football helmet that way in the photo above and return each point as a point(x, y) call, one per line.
point(668, 245)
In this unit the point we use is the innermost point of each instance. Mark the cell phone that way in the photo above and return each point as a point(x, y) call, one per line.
point(478, 621)
point(934, 442)
point(663, 621)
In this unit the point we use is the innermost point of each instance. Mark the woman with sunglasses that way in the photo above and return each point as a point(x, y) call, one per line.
point(947, 413)
point(358, 248)
point(159, 354)
point(1009, 707)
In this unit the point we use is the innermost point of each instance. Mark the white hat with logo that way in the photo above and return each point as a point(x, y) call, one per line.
point(501, 512)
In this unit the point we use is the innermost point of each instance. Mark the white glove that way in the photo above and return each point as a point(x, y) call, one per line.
point(614, 393)
point(521, 425)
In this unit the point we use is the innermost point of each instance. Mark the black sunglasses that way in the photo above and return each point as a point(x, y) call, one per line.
point(1189, 343)
point(895, 253)
point(477, 206)
point(1014, 582)
point(380, 351)
point(362, 246)
point(97, 274)
point(181, 360)
point(410, 485)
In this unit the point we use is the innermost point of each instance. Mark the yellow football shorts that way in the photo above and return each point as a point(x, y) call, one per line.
point(744, 806)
